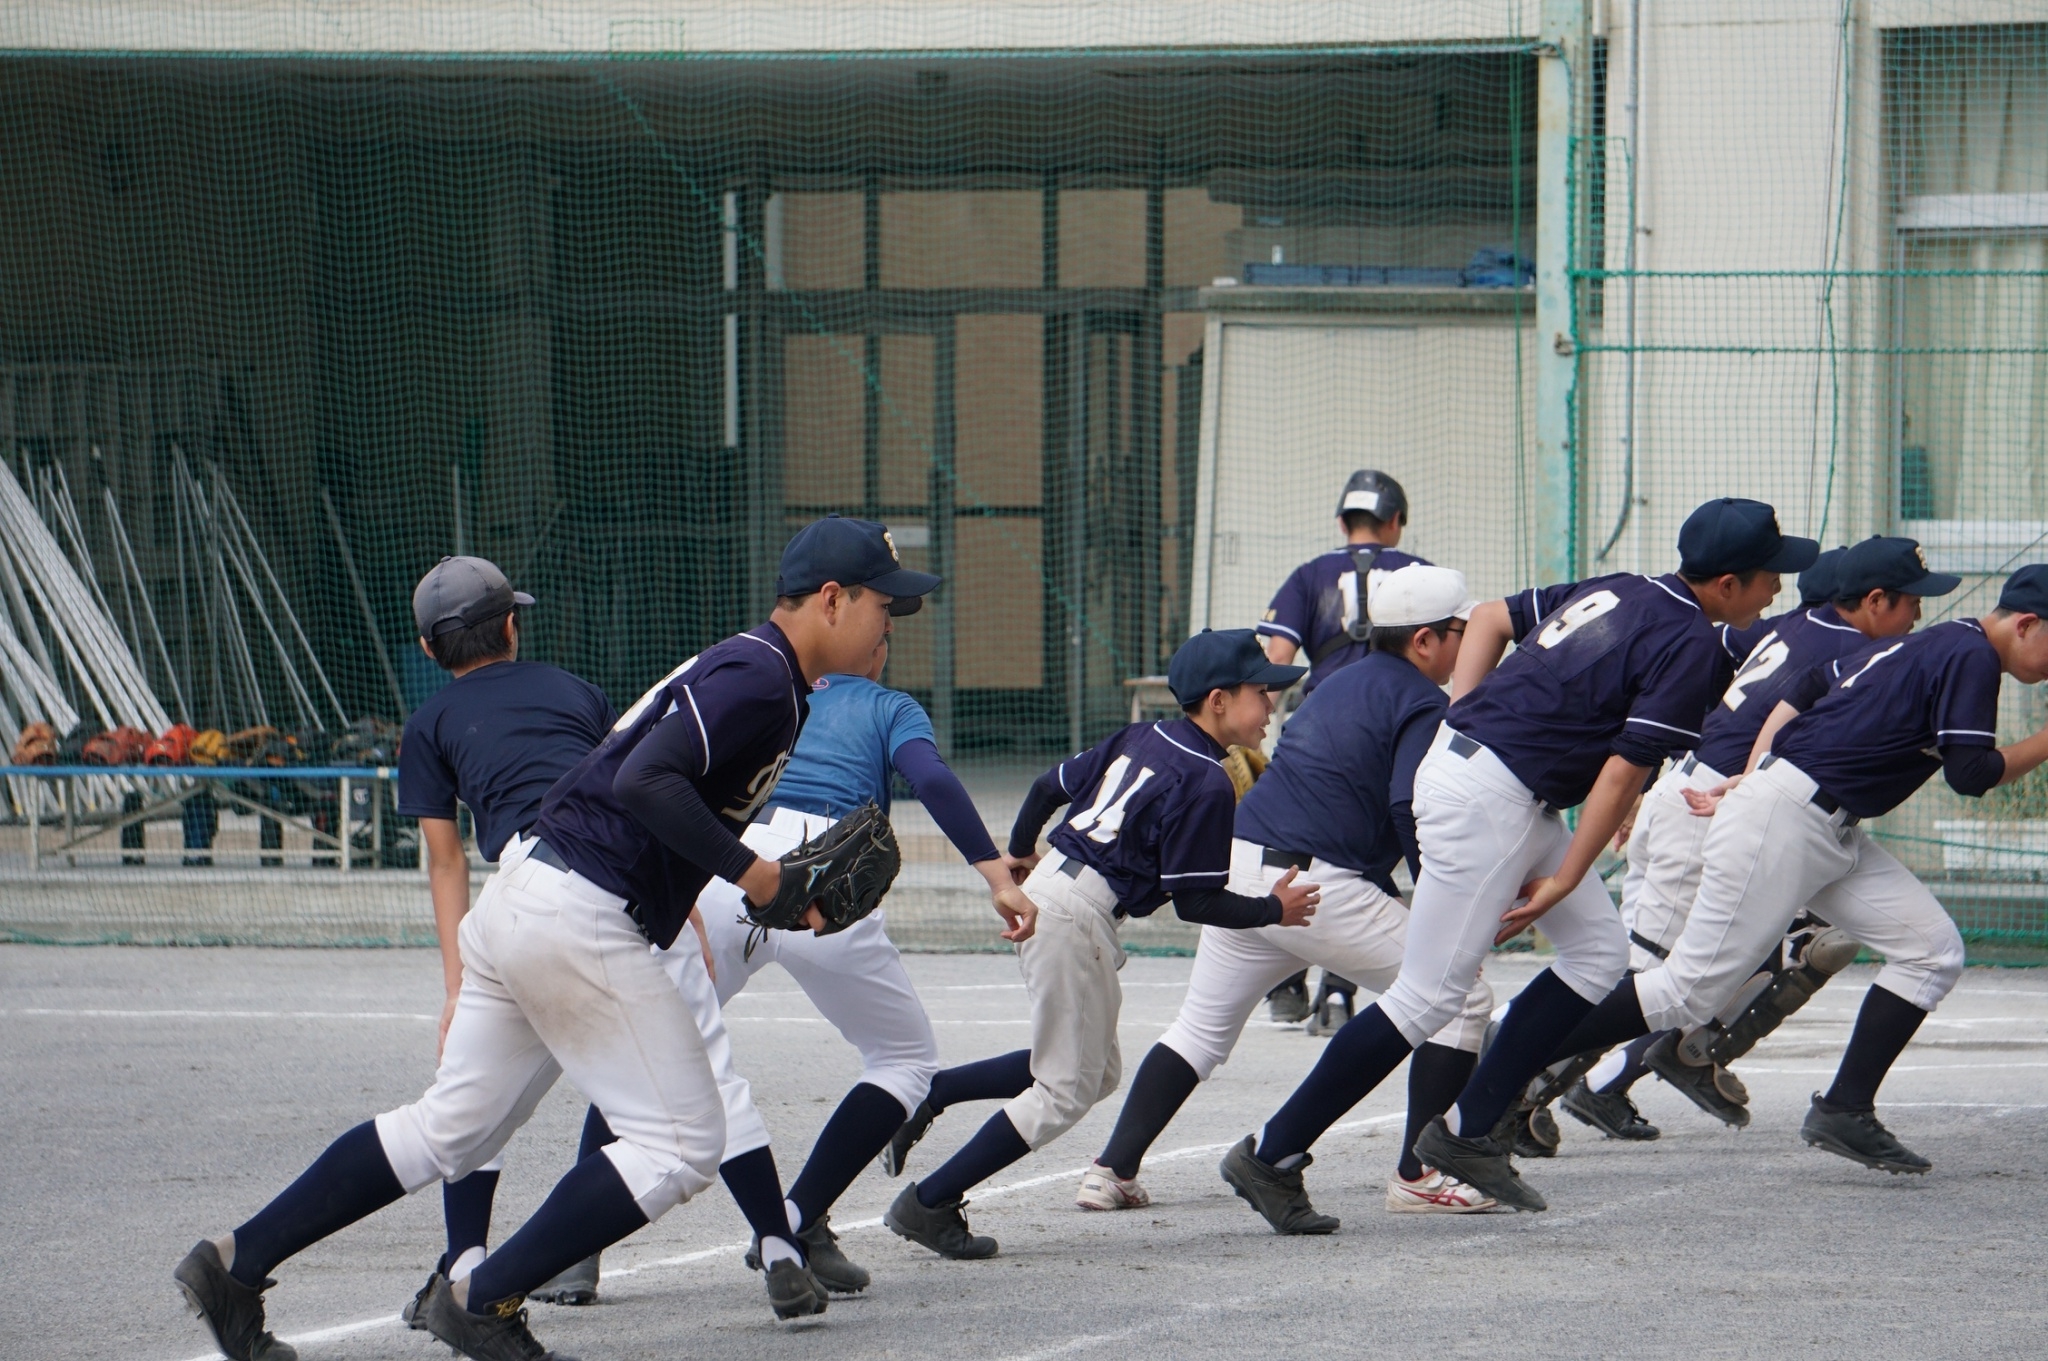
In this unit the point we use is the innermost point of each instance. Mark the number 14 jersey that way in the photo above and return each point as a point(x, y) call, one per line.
point(1612, 666)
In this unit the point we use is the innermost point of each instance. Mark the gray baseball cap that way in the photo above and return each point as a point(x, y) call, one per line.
point(460, 592)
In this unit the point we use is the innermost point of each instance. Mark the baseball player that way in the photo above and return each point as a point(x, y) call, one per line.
point(1878, 586)
point(1318, 609)
point(495, 737)
point(1335, 804)
point(557, 976)
point(858, 734)
point(1152, 822)
point(1852, 741)
point(1613, 673)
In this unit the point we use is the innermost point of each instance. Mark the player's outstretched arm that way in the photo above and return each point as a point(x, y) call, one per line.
point(2022, 757)
point(1487, 635)
point(448, 884)
point(1614, 793)
point(935, 785)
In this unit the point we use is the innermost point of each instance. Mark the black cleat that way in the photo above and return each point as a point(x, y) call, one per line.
point(1709, 1086)
point(942, 1228)
point(576, 1284)
point(417, 1305)
point(1612, 1113)
point(1477, 1162)
point(906, 1136)
point(1288, 1004)
point(231, 1311)
point(500, 1335)
point(1860, 1137)
point(829, 1264)
point(793, 1292)
point(1280, 1197)
point(1537, 1134)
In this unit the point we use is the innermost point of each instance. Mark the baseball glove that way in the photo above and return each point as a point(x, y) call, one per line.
point(37, 747)
point(1243, 765)
point(843, 872)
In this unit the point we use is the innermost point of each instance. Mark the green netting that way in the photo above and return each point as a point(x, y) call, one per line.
point(1095, 307)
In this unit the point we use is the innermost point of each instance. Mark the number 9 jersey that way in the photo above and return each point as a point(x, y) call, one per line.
point(1619, 665)
point(1792, 645)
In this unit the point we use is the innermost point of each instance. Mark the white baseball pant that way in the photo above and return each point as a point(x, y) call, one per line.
point(1770, 851)
point(1358, 932)
point(1483, 835)
point(1069, 964)
point(557, 979)
point(1665, 853)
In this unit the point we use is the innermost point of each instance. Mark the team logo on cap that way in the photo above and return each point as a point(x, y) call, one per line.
point(1920, 556)
point(890, 540)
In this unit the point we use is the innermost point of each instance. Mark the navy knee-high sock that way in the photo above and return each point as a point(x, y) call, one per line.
point(349, 1181)
point(857, 1131)
point(1436, 1075)
point(1884, 1026)
point(466, 1207)
point(1632, 1065)
point(589, 1210)
point(996, 1079)
point(1162, 1087)
point(755, 1186)
point(1356, 1060)
point(596, 1134)
point(1617, 1020)
point(994, 1147)
point(1539, 1018)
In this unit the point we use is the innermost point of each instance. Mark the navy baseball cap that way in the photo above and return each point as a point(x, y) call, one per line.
point(459, 592)
point(1734, 535)
point(2025, 591)
point(1888, 564)
point(1817, 583)
point(1373, 492)
point(1217, 659)
point(852, 553)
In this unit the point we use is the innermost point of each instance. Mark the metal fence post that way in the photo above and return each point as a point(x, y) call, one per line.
point(1564, 75)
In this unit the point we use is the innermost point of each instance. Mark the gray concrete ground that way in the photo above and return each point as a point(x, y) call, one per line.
point(153, 1095)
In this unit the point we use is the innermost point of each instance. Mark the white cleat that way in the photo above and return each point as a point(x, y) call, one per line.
point(1102, 1189)
point(1433, 1193)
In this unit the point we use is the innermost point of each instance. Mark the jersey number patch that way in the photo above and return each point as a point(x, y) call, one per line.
point(1104, 818)
point(1764, 662)
point(1576, 616)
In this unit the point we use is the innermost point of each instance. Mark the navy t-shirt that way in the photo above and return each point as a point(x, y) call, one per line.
point(1876, 734)
point(740, 704)
point(1793, 645)
point(496, 739)
point(1151, 811)
point(1345, 759)
point(1319, 601)
point(1613, 666)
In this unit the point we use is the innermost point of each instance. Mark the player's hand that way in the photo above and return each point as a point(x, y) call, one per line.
point(1297, 901)
point(704, 943)
point(1536, 898)
point(447, 1015)
point(1627, 828)
point(1702, 803)
point(1019, 867)
point(1019, 913)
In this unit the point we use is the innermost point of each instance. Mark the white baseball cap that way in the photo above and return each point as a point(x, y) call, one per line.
point(1417, 594)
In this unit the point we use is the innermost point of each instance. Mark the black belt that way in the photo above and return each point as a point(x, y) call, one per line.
point(548, 855)
point(1070, 867)
point(1281, 860)
point(1465, 748)
point(1692, 763)
point(1652, 946)
point(1826, 802)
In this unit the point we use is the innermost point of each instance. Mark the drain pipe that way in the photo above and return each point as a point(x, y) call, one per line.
point(1628, 256)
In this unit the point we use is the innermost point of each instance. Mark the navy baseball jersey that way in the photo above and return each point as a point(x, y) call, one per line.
point(1793, 645)
point(733, 711)
point(1618, 665)
point(496, 739)
point(1150, 810)
point(1877, 732)
point(1345, 759)
point(1319, 602)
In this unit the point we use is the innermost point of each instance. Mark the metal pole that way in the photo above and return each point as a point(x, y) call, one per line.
point(1563, 79)
point(355, 581)
point(343, 818)
point(227, 496)
point(1628, 268)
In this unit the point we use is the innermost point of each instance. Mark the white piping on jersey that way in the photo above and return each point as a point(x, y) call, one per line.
point(1966, 623)
point(705, 736)
point(1839, 628)
point(1195, 874)
point(1161, 730)
point(1682, 732)
point(782, 657)
point(1673, 594)
point(1268, 626)
point(1965, 732)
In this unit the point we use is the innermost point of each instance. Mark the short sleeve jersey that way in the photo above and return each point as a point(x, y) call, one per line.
point(1611, 659)
point(1319, 602)
point(496, 739)
point(1792, 646)
point(1151, 811)
point(741, 703)
point(1877, 733)
point(846, 752)
point(1345, 759)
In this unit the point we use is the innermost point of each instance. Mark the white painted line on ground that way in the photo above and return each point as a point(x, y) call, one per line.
point(1900, 1068)
point(197, 1015)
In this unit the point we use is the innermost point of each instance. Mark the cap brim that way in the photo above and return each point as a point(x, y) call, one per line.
point(1276, 677)
point(1793, 555)
point(521, 598)
point(903, 583)
point(1934, 583)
